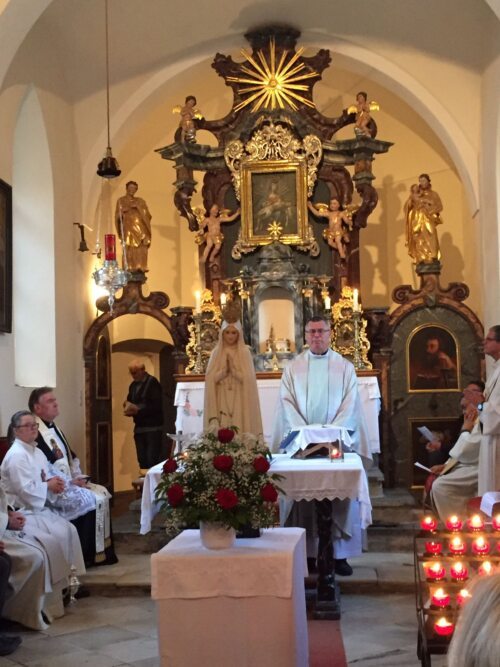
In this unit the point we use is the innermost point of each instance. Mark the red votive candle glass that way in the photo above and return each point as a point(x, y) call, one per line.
point(443, 627)
point(434, 571)
point(109, 247)
point(429, 522)
point(459, 572)
point(457, 547)
point(336, 453)
point(433, 548)
point(440, 598)
point(485, 569)
point(480, 546)
point(475, 523)
point(454, 523)
point(462, 596)
point(495, 522)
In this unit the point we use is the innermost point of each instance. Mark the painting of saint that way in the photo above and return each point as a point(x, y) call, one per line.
point(432, 360)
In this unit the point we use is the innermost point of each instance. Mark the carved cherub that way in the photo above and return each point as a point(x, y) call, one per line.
point(187, 125)
point(362, 110)
point(336, 235)
point(213, 237)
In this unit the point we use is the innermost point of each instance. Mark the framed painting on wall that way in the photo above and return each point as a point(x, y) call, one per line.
point(5, 257)
point(274, 202)
point(433, 359)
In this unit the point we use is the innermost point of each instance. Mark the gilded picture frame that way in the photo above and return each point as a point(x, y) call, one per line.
point(274, 202)
point(432, 360)
point(5, 257)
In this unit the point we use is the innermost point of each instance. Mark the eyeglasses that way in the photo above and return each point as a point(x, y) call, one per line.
point(317, 331)
point(30, 425)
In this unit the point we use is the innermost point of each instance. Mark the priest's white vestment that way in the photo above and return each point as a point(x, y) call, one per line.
point(452, 489)
point(489, 454)
point(340, 406)
point(23, 478)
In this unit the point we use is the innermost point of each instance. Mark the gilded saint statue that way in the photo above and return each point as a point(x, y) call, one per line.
point(422, 211)
point(133, 224)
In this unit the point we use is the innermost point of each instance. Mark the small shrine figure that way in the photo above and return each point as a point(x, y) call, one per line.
point(422, 211)
point(213, 236)
point(186, 132)
point(362, 110)
point(338, 223)
point(133, 224)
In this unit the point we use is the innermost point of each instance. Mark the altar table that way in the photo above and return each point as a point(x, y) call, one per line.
point(241, 606)
point(189, 402)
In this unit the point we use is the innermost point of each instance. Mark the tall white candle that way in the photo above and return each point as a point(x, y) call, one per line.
point(223, 298)
point(355, 299)
point(328, 303)
point(197, 297)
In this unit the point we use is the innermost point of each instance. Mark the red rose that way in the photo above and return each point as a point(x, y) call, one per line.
point(223, 462)
point(261, 464)
point(225, 435)
point(269, 493)
point(226, 498)
point(170, 465)
point(175, 495)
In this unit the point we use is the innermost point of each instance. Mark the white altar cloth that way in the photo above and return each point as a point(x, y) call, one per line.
point(189, 402)
point(239, 606)
point(318, 479)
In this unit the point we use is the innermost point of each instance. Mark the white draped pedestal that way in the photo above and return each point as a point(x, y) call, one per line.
point(239, 606)
point(189, 402)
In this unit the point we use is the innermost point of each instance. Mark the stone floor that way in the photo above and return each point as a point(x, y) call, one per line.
point(119, 628)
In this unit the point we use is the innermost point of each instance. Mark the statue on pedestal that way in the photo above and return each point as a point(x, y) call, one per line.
point(422, 211)
point(133, 224)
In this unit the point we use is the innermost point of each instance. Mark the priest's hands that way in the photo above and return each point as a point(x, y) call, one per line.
point(16, 521)
point(56, 484)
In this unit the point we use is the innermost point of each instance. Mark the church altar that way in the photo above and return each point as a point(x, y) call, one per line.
point(189, 402)
point(246, 603)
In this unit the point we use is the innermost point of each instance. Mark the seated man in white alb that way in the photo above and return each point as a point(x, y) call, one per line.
point(458, 477)
point(33, 600)
point(27, 486)
point(83, 503)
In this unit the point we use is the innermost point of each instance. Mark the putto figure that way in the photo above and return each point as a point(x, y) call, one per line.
point(186, 132)
point(336, 235)
point(213, 236)
point(422, 211)
point(133, 224)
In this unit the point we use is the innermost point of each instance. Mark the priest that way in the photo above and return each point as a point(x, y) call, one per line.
point(320, 387)
point(84, 503)
point(489, 416)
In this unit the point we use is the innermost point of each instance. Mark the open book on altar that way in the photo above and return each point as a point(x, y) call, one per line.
point(302, 436)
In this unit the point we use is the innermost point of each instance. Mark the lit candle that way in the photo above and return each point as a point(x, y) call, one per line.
point(197, 297)
point(485, 569)
point(223, 298)
point(355, 299)
point(454, 523)
point(462, 596)
point(457, 547)
point(443, 627)
point(433, 548)
point(440, 598)
point(475, 523)
point(110, 247)
point(495, 522)
point(434, 571)
point(328, 303)
point(459, 572)
point(336, 453)
point(429, 523)
point(480, 546)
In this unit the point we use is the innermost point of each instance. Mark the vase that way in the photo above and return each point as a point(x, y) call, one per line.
point(216, 536)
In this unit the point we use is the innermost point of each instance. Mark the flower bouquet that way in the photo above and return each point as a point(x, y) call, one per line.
point(222, 478)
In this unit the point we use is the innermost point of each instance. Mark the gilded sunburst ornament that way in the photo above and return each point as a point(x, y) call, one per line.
point(275, 230)
point(274, 84)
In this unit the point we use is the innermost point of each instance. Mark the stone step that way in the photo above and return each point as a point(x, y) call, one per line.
point(391, 538)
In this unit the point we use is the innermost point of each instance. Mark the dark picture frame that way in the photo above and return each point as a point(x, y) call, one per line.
point(5, 257)
point(274, 193)
point(432, 360)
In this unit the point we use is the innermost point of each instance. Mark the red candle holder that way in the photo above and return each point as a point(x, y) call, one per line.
point(429, 523)
point(109, 247)
point(457, 547)
point(433, 548)
point(475, 523)
point(463, 596)
point(485, 569)
point(440, 599)
point(434, 571)
point(443, 627)
point(335, 453)
point(454, 523)
point(459, 572)
point(480, 546)
point(495, 522)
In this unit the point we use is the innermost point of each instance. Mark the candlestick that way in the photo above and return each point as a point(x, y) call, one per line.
point(433, 548)
point(454, 523)
point(429, 523)
point(110, 247)
point(443, 627)
point(457, 547)
point(480, 546)
point(434, 571)
point(475, 523)
point(459, 572)
point(440, 598)
point(355, 300)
